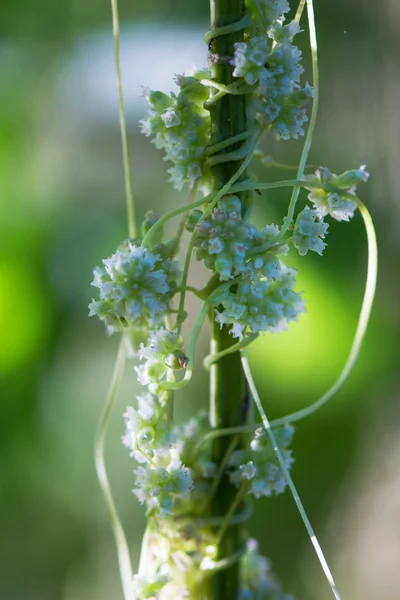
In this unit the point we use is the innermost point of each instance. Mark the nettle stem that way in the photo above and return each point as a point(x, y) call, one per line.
point(227, 384)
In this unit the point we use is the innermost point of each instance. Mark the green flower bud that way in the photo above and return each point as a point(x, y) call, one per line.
point(145, 436)
point(159, 101)
point(351, 178)
point(164, 250)
point(300, 97)
point(155, 370)
point(177, 360)
point(192, 219)
point(150, 219)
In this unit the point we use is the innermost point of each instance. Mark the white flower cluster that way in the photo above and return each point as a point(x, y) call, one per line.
point(273, 67)
point(223, 239)
point(231, 246)
point(161, 478)
point(268, 11)
point(258, 583)
point(260, 303)
point(181, 127)
point(162, 352)
point(136, 288)
point(258, 464)
point(173, 478)
point(338, 205)
point(197, 458)
point(309, 230)
point(264, 298)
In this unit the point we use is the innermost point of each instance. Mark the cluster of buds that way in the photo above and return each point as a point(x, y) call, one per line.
point(260, 304)
point(161, 478)
point(258, 583)
point(224, 238)
point(309, 231)
point(162, 352)
point(181, 127)
point(136, 288)
point(341, 203)
point(257, 465)
point(271, 63)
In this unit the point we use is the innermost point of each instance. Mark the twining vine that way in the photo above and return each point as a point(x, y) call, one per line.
point(196, 478)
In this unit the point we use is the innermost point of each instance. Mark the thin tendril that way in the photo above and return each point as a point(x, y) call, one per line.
point(219, 565)
point(130, 204)
point(224, 190)
point(177, 385)
point(299, 11)
point(124, 560)
point(231, 511)
point(365, 313)
point(229, 142)
point(213, 358)
point(245, 186)
point(221, 470)
point(296, 497)
point(215, 433)
point(313, 118)
point(181, 228)
point(245, 21)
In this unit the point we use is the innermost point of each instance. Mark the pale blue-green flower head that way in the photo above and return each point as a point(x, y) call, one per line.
point(338, 204)
point(309, 232)
point(260, 303)
point(135, 286)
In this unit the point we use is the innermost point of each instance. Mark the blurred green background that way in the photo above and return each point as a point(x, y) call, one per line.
point(62, 210)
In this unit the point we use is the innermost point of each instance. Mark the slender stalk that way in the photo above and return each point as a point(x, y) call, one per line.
point(314, 111)
point(130, 204)
point(124, 560)
point(369, 295)
point(227, 385)
point(289, 480)
point(210, 359)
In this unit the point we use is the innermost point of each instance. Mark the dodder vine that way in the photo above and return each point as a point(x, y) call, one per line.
point(196, 478)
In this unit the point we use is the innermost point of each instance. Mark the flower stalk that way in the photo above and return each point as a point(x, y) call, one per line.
point(228, 402)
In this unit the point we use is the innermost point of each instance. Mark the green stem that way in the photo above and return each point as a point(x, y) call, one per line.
point(313, 119)
point(231, 511)
point(369, 294)
point(233, 188)
point(237, 174)
point(221, 471)
point(213, 358)
point(292, 487)
point(181, 227)
point(299, 11)
point(124, 560)
point(130, 204)
point(227, 385)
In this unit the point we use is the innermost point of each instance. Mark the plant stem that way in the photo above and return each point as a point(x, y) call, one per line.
point(227, 384)
point(124, 560)
point(130, 203)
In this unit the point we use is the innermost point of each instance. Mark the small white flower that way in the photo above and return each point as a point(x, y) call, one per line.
point(309, 232)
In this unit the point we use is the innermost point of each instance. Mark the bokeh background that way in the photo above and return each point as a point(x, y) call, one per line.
point(62, 210)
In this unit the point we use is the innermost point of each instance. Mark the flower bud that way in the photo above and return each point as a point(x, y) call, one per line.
point(150, 219)
point(145, 436)
point(351, 178)
point(159, 101)
point(192, 219)
point(177, 360)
